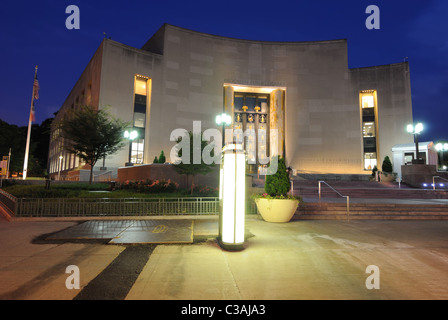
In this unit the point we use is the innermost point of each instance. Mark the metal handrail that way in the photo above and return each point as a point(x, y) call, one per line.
point(347, 197)
point(434, 183)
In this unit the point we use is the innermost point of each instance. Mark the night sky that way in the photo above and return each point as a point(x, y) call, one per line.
point(34, 33)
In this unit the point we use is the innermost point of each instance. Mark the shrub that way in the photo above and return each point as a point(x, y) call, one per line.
point(149, 186)
point(205, 191)
point(68, 190)
point(278, 184)
point(387, 165)
point(162, 158)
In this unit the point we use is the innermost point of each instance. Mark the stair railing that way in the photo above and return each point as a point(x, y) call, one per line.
point(347, 197)
point(434, 181)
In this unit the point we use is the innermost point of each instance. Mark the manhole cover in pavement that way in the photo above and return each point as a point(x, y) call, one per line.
point(94, 229)
point(156, 231)
point(130, 231)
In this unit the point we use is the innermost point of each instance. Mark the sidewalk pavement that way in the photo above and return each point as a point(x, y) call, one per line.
point(314, 259)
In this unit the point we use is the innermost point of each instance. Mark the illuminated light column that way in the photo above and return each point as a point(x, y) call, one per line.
point(233, 195)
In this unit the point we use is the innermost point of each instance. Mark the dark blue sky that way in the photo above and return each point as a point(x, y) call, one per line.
point(34, 32)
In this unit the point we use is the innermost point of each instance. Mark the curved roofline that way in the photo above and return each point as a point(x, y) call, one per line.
point(248, 40)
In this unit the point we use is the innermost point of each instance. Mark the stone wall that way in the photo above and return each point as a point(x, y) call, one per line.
point(417, 174)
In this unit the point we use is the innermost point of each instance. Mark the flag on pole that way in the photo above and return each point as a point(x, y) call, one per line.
point(36, 87)
point(35, 97)
point(32, 113)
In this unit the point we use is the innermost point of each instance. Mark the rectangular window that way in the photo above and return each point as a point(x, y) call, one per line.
point(368, 129)
point(137, 151)
point(369, 160)
point(368, 109)
point(239, 102)
point(140, 100)
point(408, 157)
point(368, 100)
point(250, 102)
point(139, 120)
point(368, 114)
point(140, 86)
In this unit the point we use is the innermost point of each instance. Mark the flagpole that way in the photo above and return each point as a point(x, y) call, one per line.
point(27, 149)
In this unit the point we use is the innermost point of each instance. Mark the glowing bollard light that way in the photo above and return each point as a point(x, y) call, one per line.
point(233, 198)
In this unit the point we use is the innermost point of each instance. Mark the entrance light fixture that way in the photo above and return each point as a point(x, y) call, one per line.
point(416, 130)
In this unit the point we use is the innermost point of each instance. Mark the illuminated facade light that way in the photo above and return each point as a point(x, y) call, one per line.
point(442, 146)
point(417, 129)
point(223, 119)
point(131, 135)
point(233, 198)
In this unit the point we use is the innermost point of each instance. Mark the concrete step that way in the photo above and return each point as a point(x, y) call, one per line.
point(372, 206)
point(374, 193)
point(335, 211)
point(368, 217)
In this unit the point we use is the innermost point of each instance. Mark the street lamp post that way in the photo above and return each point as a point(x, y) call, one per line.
point(442, 147)
point(130, 135)
point(416, 130)
point(60, 165)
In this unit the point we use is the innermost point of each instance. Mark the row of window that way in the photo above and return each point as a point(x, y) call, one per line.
point(252, 112)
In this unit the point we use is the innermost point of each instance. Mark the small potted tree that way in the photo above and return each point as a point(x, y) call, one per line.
point(387, 174)
point(276, 205)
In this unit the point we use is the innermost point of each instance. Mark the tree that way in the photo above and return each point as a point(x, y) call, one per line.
point(162, 158)
point(91, 134)
point(278, 184)
point(387, 165)
point(189, 168)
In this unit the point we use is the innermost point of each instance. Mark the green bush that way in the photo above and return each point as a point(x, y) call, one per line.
point(149, 186)
point(387, 165)
point(68, 190)
point(205, 191)
point(162, 158)
point(278, 183)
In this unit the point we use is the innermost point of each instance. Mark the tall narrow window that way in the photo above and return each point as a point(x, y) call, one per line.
point(368, 107)
point(141, 92)
point(140, 101)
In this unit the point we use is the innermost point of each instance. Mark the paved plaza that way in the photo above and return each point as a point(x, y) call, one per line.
point(281, 261)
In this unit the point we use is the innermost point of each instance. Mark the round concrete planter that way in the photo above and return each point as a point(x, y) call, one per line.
point(276, 210)
point(388, 177)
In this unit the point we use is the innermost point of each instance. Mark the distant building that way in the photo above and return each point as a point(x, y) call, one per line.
point(329, 118)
